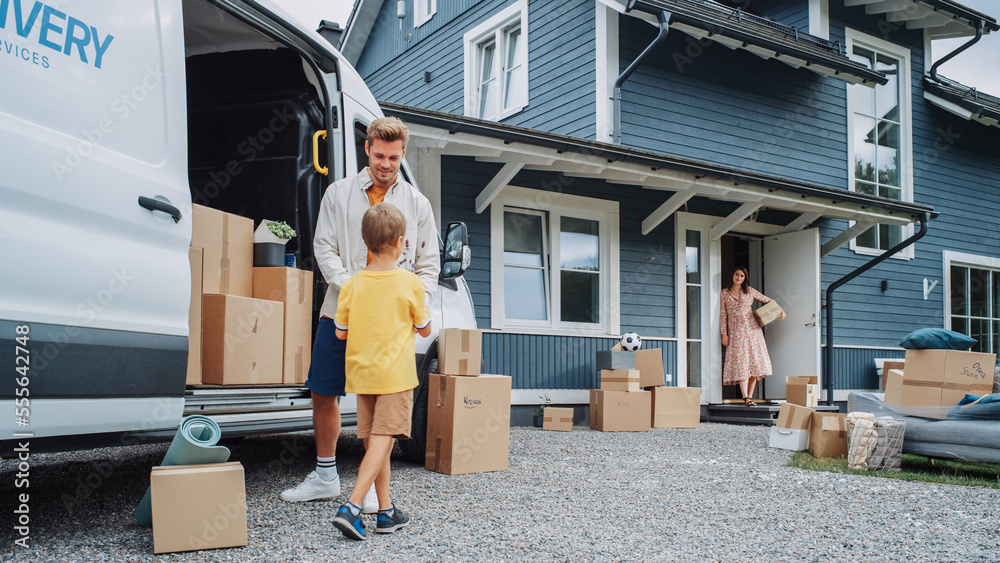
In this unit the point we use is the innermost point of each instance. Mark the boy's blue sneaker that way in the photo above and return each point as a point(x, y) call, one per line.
point(388, 524)
point(349, 523)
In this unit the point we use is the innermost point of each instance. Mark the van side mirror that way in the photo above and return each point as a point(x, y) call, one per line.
point(456, 255)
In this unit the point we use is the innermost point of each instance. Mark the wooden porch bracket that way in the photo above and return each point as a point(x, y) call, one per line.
point(801, 222)
point(492, 190)
point(734, 218)
point(846, 236)
point(666, 210)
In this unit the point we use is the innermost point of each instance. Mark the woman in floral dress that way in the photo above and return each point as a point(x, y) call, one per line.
point(746, 353)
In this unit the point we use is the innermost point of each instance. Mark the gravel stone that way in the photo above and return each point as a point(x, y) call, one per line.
point(714, 493)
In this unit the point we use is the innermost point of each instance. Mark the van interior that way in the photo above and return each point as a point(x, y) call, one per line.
point(253, 106)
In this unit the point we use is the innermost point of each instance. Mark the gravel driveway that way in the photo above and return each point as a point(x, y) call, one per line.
point(715, 493)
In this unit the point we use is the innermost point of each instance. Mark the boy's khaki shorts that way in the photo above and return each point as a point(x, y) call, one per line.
point(385, 415)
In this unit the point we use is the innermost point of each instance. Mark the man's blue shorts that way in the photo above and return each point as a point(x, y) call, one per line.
point(326, 370)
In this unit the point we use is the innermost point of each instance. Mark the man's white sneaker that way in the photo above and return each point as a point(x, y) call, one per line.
point(312, 488)
point(370, 505)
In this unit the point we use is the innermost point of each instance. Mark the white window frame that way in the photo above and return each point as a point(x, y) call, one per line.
point(495, 27)
point(854, 37)
point(952, 258)
point(423, 11)
point(605, 212)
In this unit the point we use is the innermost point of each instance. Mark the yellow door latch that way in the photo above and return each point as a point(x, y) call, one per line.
point(321, 169)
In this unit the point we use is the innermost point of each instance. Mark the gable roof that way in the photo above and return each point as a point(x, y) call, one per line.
point(768, 39)
point(359, 27)
point(963, 101)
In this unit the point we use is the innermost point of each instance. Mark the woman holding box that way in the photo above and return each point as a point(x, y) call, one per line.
point(746, 352)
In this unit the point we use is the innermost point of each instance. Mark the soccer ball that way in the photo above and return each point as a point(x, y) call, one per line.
point(631, 342)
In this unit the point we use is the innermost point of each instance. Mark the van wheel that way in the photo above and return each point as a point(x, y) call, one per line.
point(414, 448)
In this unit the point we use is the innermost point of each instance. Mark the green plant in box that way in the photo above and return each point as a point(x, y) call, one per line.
point(281, 230)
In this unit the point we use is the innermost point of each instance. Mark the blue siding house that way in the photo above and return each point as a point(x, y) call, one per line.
point(616, 159)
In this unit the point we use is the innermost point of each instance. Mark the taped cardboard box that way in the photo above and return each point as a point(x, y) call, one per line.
point(675, 407)
point(649, 362)
point(227, 240)
point(955, 372)
point(828, 434)
point(468, 423)
point(802, 390)
point(620, 380)
point(557, 418)
point(615, 359)
point(293, 288)
point(899, 392)
point(889, 365)
point(195, 256)
point(460, 351)
point(241, 340)
point(791, 432)
point(767, 313)
point(620, 411)
point(198, 507)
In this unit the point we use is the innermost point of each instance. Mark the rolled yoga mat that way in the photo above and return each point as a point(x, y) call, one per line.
point(194, 444)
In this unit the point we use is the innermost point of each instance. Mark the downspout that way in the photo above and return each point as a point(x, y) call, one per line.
point(951, 55)
point(828, 376)
point(664, 18)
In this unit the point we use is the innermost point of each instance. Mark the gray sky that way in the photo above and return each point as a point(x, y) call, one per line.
point(979, 66)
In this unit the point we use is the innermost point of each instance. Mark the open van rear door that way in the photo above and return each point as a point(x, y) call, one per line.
point(95, 215)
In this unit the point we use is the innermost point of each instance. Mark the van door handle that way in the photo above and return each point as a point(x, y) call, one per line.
point(157, 205)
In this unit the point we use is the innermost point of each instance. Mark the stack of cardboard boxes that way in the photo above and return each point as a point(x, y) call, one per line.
point(824, 434)
point(932, 382)
point(632, 396)
point(247, 325)
point(468, 412)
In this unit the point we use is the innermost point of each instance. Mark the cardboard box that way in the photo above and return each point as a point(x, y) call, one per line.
point(767, 313)
point(294, 288)
point(198, 507)
point(468, 423)
point(675, 407)
point(620, 411)
point(802, 391)
point(615, 359)
point(828, 434)
point(794, 417)
point(557, 418)
point(649, 362)
point(195, 257)
point(956, 371)
point(460, 351)
point(241, 340)
point(894, 388)
point(227, 240)
point(887, 366)
point(620, 380)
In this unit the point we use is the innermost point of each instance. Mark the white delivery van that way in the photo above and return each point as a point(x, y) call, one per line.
point(114, 117)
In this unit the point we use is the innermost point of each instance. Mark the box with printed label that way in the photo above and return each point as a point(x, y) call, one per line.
point(649, 362)
point(828, 434)
point(227, 240)
point(241, 340)
point(557, 418)
point(468, 423)
point(676, 407)
point(195, 256)
point(294, 288)
point(620, 411)
point(620, 380)
point(460, 351)
point(954, 372)
point(198, 507)
point(803, 391)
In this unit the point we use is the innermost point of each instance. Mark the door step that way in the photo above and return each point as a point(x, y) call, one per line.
point(765, 414)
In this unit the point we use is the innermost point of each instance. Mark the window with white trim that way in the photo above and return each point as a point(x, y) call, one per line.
point(496, 65)
point(423, 11)
point(554, 262)
point(879, 136)
point(973, 299)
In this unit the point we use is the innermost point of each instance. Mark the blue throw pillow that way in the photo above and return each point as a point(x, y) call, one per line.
point(936, 339)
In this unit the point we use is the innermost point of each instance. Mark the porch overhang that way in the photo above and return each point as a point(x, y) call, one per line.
point(963, 101)
point(768, 39)
point(518, 148)
point(941, 19)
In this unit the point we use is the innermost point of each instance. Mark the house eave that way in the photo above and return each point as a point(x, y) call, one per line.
point(500, 143)
point(963, 101)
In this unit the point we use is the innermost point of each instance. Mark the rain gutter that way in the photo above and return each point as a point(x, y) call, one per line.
point(828, 372)
point(664, 17)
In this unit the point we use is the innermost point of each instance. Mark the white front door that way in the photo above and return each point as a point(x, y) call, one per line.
point(791, 277)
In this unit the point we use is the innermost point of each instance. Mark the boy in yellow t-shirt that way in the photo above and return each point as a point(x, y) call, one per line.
point(378, 311)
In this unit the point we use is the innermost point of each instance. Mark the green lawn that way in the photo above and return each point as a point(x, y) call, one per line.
point(914, 468)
